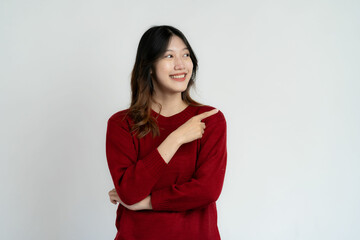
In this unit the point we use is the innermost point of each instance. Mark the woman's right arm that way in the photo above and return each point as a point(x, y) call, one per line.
point(134, 178)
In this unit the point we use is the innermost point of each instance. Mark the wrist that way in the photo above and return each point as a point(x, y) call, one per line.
point(149, 203)
point(146, 204)
point(176, 138)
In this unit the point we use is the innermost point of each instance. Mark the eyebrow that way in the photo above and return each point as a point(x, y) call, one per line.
point(169, 50)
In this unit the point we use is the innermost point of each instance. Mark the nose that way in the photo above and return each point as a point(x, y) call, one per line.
point(179, 64)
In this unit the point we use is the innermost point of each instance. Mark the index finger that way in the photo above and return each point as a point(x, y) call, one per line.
point(207, 114)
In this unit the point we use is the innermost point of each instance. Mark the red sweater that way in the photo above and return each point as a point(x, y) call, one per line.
point(183, 192)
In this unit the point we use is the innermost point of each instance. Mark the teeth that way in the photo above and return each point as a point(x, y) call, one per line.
point(178, 76)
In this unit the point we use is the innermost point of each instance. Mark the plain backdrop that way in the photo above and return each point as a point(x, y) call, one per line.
point(284, 73)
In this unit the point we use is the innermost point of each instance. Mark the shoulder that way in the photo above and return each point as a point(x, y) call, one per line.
point(217, 118)
point(120, 118)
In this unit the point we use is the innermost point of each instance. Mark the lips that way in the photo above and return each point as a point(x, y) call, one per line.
point(179, 76)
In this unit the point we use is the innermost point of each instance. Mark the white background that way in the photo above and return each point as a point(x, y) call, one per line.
point(284, 73)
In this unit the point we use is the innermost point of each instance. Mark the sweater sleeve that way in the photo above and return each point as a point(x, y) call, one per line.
point(206, 185)
point(133, 178)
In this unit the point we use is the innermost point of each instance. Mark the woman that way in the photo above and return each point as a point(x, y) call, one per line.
point(166, 153)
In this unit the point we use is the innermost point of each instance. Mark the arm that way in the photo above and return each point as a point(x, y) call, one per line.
point(144, 204)
point(206, 185)
point(133, 179)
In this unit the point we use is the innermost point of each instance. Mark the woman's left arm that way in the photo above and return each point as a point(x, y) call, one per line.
point(206, 185)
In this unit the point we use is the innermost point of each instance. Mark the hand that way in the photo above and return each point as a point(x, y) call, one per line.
point(114, 197)
point(144, 204)
point(193, 128)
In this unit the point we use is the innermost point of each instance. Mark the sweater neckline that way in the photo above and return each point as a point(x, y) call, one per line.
point(173, 118)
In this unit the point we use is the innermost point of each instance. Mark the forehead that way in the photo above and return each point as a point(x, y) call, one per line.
point(176, 44)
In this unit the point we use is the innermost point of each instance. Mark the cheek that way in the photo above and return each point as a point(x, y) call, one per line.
point(190, 66)
point(164, 68)
point(160, 70)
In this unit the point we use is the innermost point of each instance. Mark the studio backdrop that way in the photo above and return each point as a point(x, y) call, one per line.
point(285, 74)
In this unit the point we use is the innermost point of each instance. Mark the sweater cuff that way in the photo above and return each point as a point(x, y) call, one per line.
point(155, 201)
point(154, 163)
point(158, 203)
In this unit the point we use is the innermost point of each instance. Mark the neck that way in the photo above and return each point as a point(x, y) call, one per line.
point(170, 104)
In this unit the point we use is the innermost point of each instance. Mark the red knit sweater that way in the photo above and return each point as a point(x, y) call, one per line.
point(183, 192)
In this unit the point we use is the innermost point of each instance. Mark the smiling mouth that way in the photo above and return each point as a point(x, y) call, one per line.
point(178, 76)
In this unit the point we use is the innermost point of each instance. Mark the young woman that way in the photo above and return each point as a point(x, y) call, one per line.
point(166, 153)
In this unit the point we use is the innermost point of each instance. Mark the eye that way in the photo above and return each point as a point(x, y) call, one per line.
point(168, 56)
point(187, 54)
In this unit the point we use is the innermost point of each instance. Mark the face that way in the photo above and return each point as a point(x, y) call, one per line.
point(173, 70)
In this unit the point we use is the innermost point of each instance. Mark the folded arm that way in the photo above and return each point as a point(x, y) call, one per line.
point(206, 185)
point(133, 179)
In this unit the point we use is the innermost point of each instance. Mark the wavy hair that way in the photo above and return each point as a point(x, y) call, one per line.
point(152, 46)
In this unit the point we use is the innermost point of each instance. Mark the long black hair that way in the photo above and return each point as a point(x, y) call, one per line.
point(152, 46)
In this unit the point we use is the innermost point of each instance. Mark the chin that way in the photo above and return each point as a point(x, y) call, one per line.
point(179, 88)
